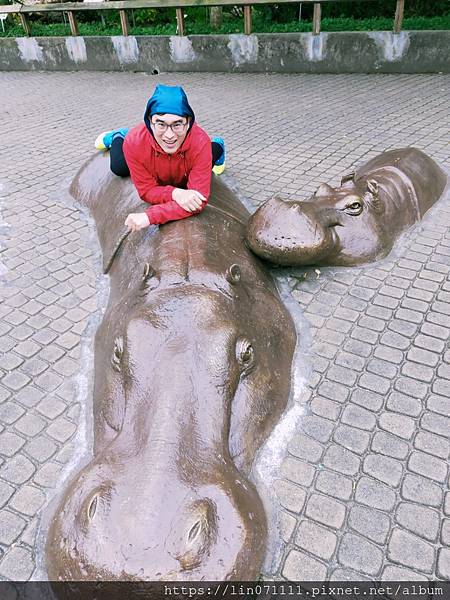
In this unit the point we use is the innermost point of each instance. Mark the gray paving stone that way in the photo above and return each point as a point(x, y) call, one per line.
point(291, 496)
point(10, 443)
point(412, 387)
point(10, 412)
point(384, 468)
point(11, 526)
point(316, 539)
point(382, 368)
point(350, 361)
point(398, 425)
point(51, 407)
point(436, 424)
point(367, 399)
point(389, 354)
point(30, 425)
point(424, 357)
point(29, 535)
point(40, 448)
point(287, 525)
point(421, 490)
point(326, 408)
point(61, 429)
point(317, 428)
point(432, 444)
point(375, 383)
point(15, 381)
point(389, 445)
point(416, 371)
point(358, 417)
point(445, 532)
point(49, 381)
point(48, 475)
point(10, 361)
point(28, 500)
point(302, 567)
point(29, 396)
point(359, 554)
point(439, 404)
point(370, 523)
point(374, 494)
point(410, 551)
point(358, 347)
point(404, 328)
point(341, 574)
point(419, 520)
point(391, 573)
point(17, 470)
point(436, 331)
point(447, 504)
point(403, 404)
point(428, 466)
point(334, 484)
point(443, 565)
point(342, 460)
point(351, 438)
point(364, 335)
point(297, 471)
point(442, 387)
point(342, 375)
point(306, 448)
point(394, 340)
point(444, 371)
point(325, 510)
point(17, 564)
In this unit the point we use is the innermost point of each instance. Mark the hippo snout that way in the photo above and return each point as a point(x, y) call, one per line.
point(143, 527)
point(290, 233)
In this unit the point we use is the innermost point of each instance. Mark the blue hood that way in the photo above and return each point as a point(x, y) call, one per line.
point(167, 99)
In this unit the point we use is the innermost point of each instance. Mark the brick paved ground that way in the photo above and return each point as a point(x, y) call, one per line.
point(365, 486)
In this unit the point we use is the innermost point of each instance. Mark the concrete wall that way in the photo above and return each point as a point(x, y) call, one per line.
point(343, 52)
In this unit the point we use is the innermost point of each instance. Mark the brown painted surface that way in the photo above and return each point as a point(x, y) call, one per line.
point(192, 371)
point(355, 223)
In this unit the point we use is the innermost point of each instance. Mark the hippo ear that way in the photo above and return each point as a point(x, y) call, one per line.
point(372, 186)
point(323, 190)
point(348, 177)
point(233, 274)
point(149, 279)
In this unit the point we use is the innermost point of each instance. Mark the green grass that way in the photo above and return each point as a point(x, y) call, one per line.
point(231, 26)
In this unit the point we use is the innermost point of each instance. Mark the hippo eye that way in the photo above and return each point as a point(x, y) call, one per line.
point(244, 353)
point(355, 208)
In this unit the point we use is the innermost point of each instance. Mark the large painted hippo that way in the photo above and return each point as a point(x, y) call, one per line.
point(192, 372)
point(355, 223)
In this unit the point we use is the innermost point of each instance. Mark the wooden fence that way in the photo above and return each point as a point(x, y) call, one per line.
point(125, 5)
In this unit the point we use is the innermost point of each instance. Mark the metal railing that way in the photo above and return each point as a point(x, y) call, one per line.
point(125, 5)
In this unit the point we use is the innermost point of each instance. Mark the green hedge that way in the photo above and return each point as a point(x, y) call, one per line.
point(230, 25)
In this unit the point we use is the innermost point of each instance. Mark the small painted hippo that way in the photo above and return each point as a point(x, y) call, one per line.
point(192, 372)
point(355, 223)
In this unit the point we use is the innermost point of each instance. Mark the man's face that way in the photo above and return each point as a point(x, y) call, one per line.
point(169, 131)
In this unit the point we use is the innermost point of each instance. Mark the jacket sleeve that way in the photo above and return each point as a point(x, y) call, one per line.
point(199, 179)
point(145, 183)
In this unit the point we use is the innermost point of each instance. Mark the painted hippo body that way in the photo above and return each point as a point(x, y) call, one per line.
point(192, 371)
point(355, 223)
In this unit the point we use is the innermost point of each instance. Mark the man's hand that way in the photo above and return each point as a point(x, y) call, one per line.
point(190, 200)
point(136, 221)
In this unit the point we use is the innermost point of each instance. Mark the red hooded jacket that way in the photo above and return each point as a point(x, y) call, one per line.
point(156, 174)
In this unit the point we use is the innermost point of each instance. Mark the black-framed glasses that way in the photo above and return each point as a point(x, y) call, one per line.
point(178, 127)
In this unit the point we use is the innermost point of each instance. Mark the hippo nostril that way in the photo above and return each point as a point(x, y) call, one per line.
point(194, 531)
point(92, 508)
